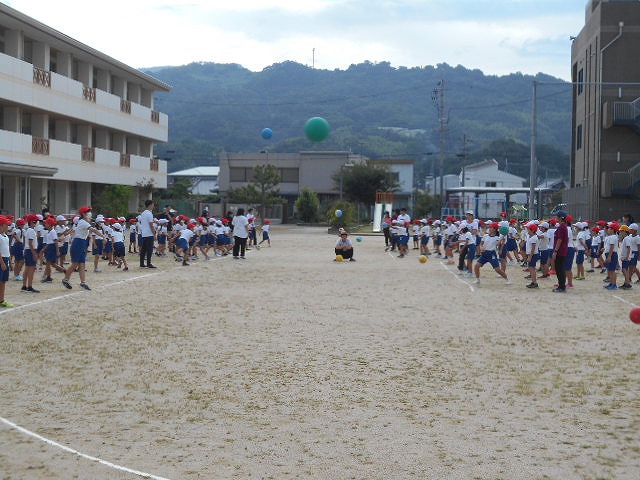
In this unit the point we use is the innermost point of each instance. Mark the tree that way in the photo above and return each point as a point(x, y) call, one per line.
point(361, 181)
point(307, 205)
point(424, 204)
point(266, 179)
point(180, 189)
point(113, 200)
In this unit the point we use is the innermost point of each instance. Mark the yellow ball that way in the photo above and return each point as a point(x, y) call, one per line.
point(422, 258)
point(339, 258)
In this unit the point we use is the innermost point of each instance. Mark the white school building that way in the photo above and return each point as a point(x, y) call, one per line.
point(71, 117)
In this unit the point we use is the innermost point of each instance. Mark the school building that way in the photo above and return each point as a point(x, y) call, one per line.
point(71, 118)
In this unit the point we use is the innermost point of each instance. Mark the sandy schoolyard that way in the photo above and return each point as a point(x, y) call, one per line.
point(289, 365)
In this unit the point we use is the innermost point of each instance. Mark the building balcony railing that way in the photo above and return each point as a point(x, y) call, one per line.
point(89, 93)
point(125, 106)
point(125, 160)
point(40, 146)
point(41, 77)
point(88, 154)
point(154, 164)
point(155, 116)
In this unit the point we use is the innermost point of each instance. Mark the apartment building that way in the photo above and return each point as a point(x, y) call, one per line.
point(605, 158)
point(71, 119)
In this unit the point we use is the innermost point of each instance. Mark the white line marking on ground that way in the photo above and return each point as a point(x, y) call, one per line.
point(456, 277)
point(82, 292)
point(625, 301)
point(80, 454)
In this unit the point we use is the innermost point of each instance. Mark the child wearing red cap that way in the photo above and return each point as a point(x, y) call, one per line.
point(133, 236)
point(51, 249)
point(30, 254)
point(611, 255)
point(18, 249)
point(488, 246)
point(266, 226)
point(532, 253)
point(79, 246)
point(5, 263)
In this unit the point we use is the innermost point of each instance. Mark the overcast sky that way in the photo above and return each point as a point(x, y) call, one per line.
point(497, 37)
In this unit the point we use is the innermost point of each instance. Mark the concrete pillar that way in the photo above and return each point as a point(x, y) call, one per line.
point(85, 135)
point(133, 145)
point(102, 139)
point(63, 130)
point(11, 118)
point(85, 73)
point(38, 194)
point(104, 80)
point(14, 43)
point(11, 200)
point(119, 86)
point(64, 64)
point(42, 55)
point(84, 193)
point(61, 199)
point(119, 143)
point(146, 97)
point(40, 125)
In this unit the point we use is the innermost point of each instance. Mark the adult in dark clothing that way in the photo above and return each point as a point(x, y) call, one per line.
point(560, 250)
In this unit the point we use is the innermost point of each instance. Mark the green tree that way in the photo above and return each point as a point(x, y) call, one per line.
point(307, 205)
point(361, 181)
point(424, 204)
point(266, 180)
point(113, 200)
point(248, 194)
point(180, 189)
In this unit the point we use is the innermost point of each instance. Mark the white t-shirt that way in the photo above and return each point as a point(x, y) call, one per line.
point(265, 228)
point(489, 243)
point(404, 218)
point(81, 229)
point(611, 240)
point(240, 224)
point(532, 245)
point(582, 237)
point(551, 235)
point(30, 236)
point(4, 246)
point(118, 236)
point(625, 253)
point(187, 234)
point(543, 241)
point(51, 237)
point(146, 223)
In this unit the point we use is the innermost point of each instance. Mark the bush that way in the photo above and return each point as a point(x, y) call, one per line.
point(307, 206)
point(348, 214)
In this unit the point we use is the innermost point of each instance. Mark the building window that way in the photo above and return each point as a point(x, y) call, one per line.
point(579, 137)
point(240, 174)
point(580, 81)
point(289, 175)
point(490, 184)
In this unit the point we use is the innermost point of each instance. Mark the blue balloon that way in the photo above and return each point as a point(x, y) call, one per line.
point(267, 133)
point(338, 213)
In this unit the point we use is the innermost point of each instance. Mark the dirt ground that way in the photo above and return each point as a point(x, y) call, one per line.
point(289, 365)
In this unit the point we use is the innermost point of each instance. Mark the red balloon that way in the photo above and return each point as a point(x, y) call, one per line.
point(634, 315)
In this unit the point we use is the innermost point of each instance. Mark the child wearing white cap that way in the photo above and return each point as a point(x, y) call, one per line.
point(117, 237)
point(581, 248)
point(635, 242)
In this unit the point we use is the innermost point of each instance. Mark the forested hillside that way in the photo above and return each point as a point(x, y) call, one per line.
point(374, 109)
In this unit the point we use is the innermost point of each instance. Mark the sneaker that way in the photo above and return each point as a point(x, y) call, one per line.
point(637, 281)
point(66, 283)
point(532, 285)
point(558, 290)
point(19, 278)
point(125, 269)
point(606, 280)
point(236, 258)
point(242, 257)
point(603, 270)
point(85, 286)
point(6, 304)
point(24, 289)
point(401, 255)
point(611, 286)
point(32, 290)
point(151, 266)
point(352, 259)
point(469, 275)
point(625, 286)
point(569, 285)
point(185, 264)
point(591, 271)
point(47, 280)
point(545, 276)
point(476, 281)
point(528, 277)
point(508, 281)
point(579, 277)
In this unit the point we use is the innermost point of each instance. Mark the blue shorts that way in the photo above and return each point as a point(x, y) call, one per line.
point(265, 235)
point(29, 259)
point(132, 238)
point(18, 251)
point(182, 244)
point(403, 239)
point(634, 259)
point(437, 240)
point(51, 253)
point(568, 261)
point(594, 252)
point(118, 250)
point(108, 246)
point(64, 249)
point(625, 264)
point(4, 274)
point(98, 249)
point(489, 257)
point(424, 240)
point(534, 260)
point(613, 264)
point(40, 246)
point(544, 257)
point(162, 240)
point(580, 257)
point(511, 244)
point(471, 251)
point(79, 250)
point(416, 237)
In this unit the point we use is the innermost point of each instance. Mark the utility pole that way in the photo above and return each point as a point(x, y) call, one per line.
point(313, 58)
point(437, 96)
point(533, 177)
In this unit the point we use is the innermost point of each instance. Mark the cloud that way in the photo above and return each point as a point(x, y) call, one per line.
point(496, 36)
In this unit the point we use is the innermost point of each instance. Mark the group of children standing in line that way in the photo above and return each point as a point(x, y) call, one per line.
point(610, 247)
point(49, 242)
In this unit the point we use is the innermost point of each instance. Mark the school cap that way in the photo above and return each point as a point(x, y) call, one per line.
point(100, 218)
point(633, 226)
point(561, 214)
point(117, 226)
point(469, 212)
point(61, 218)
point(544, 225)
point(4, 220)
point(31, 218)
point(20, 222)
point(83, 210)
point(623, 228)
point(601, 223)
point(614, 225)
